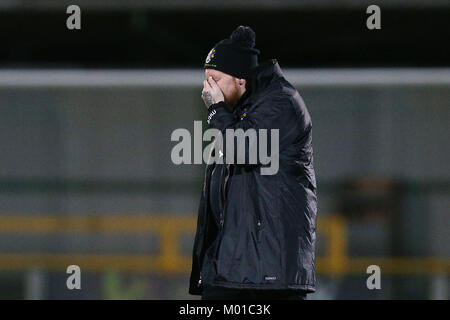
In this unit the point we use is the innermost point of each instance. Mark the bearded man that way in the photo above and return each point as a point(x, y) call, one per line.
point(256, 232)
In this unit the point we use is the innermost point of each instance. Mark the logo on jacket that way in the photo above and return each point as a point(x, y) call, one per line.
point(210, 115)
point(244, 114)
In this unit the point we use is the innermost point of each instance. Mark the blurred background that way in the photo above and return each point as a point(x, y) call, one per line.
point(86, 116)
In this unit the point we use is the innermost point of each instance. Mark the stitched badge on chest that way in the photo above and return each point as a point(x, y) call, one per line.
point(244, 114)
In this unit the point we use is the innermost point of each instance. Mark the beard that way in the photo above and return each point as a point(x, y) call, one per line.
point(232, 99)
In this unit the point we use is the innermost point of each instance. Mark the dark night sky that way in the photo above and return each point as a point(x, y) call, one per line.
point(156, 39)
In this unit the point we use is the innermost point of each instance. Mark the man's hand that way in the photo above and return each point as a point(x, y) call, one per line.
point(211, 92)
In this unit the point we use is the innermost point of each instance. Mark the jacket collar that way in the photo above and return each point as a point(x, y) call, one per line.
point(260, 77)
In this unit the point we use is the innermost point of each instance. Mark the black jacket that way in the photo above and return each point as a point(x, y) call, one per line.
point(258, 231)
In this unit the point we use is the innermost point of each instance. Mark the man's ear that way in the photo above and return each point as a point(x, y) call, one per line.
point(242, 82)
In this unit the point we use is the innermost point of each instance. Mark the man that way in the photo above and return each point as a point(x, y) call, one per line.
point(255, 234)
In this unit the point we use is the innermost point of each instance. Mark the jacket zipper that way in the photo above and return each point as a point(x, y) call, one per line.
point(258, 219)
point(199, 283)
point(222, 213)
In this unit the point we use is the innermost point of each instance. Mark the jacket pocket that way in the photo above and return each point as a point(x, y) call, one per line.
point(258, 230)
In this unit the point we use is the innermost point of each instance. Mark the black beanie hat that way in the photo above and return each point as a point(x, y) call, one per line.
point(236, 55)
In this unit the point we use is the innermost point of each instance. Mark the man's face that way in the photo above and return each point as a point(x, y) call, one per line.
point(232, 87)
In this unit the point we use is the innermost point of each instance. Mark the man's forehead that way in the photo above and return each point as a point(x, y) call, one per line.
point(212, 72)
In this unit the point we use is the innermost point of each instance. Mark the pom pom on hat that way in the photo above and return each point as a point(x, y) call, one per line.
point(243, 36)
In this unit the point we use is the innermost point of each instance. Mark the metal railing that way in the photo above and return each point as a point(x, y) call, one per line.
point(170, 260)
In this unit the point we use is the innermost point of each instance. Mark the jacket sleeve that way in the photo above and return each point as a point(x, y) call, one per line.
point(275, 113)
